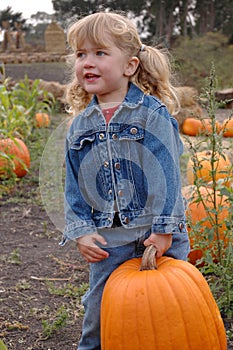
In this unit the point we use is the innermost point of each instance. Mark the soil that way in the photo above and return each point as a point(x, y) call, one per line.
point(33, 269)
point(40, 280)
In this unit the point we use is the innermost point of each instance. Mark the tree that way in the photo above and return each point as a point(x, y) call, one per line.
point(11, 17)
point(162, 19)
point(213, 15)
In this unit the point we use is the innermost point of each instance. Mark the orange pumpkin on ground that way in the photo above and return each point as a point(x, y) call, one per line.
point(207, 127)
point(222, 166)
point(227, 127)
point(191, 126)
point(197, 214)
point(42, 120)
point(20, 156)
point(167, 308)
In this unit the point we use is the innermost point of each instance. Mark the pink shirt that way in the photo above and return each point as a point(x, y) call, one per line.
point(108, 113)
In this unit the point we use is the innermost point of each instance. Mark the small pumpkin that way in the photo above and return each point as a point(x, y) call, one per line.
point(42, 120)
point(19, 152)
point(167, 308)
point(196, 213)
point(221, 166)
point(227, 127)
point(191, 126)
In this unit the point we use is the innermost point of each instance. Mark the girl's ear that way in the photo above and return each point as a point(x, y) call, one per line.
point(132, 66)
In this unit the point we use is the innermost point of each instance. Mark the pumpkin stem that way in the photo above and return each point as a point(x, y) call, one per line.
point(149, 259)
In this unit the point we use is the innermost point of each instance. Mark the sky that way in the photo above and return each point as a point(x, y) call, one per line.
point(27, 8)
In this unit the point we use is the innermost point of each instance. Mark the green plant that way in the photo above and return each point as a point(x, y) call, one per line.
point(30, 95)
point(68, 290)
point(2, 345)
point(17, 120)
point(14, 257)
point(52, 326)
point(20, 104)
point(22, 285)
point(216, 260)
point(14, 117)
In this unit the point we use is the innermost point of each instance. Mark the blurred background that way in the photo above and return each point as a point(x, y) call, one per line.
point(197, 33)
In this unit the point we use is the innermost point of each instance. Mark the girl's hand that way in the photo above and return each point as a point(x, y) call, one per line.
point(160, 241)
point(90, 251)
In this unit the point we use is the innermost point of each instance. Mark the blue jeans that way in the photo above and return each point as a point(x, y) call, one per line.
point(99, 273)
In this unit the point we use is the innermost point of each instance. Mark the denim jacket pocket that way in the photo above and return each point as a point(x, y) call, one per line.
point(81, 141)
point(132, 132)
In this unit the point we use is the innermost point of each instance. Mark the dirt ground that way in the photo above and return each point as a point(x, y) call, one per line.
point(33, 269)
point(41, 283)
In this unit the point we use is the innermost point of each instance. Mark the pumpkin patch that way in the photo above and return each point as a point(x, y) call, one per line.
point(202, 213)
point(167, 308)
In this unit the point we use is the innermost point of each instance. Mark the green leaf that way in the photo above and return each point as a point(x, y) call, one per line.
point(2, 345)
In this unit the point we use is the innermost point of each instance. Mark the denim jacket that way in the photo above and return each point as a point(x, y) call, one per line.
point(130, 166)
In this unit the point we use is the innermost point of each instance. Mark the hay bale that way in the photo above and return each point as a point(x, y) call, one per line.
point(194, 111)
point(55, 38)
point(189, 106)
point(187, 95)
point(55, 88)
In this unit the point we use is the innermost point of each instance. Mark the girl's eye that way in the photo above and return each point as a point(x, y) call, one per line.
point(100, 53)
point(79, 54)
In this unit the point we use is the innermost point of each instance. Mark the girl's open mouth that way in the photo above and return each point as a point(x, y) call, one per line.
point(91, 77)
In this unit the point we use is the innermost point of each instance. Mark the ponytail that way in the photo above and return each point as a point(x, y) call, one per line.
point(153, 76)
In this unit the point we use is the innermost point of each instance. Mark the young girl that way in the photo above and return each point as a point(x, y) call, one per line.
point(123, 188)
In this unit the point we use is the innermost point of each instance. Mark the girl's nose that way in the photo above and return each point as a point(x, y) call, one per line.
point(89, 62)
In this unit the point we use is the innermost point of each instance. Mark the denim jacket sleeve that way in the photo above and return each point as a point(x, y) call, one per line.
point(171, 219)
point(77, 211)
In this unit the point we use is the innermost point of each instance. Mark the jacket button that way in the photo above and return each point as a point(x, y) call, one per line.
point(106, 164)
point(181, 225)
point(120, 193)
point(133, 131)
point(127, 220)
point(101, 136)
point(117, 166)
point(114, 136)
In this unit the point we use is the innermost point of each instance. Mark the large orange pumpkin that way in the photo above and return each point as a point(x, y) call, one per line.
point(197, 214)
point(168, 308)
point(191, 126)
point(221, 165)
point(19, 152)
point(42, 120)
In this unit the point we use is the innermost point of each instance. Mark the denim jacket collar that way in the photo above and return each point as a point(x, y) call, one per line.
point(133, 99)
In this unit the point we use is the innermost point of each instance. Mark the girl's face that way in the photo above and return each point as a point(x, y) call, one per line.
point(104, 71)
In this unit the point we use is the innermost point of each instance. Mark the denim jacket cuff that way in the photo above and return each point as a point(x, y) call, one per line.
point(75, 230)
point(168, 225)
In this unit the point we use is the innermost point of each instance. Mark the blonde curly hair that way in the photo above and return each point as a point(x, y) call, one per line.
point(153, 75)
